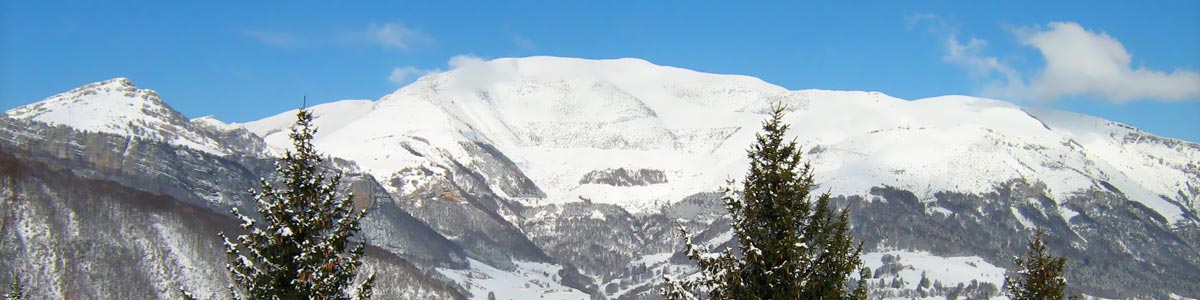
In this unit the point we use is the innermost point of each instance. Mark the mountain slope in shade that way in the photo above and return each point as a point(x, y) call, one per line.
point(563, 121)
point(72, 237)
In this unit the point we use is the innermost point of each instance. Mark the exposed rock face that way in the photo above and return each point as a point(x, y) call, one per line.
point(217, 183)
point(624, 177)
point(1110, 240)
point(220, 182)
point(602, 238)
point(461, 205)
point(80, 238)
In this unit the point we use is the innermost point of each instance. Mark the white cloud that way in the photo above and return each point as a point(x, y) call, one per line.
point(464, 60)
point(395, 35)
point(1082, 62)
point(969, 56)
point(472, 71)
point(406, 74)
point(1079, 62)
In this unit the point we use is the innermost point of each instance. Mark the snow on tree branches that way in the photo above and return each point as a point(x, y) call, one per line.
point(789, 246)
point(16, 288)
point(1038, 275)
point(301, 249)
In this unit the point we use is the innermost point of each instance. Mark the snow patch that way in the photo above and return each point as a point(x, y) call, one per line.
point(530, 280)
point(1021, 218)
point(1067, 213)
point(597, 215)
point(949, 270)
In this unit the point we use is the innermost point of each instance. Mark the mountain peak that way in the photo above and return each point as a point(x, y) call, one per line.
point(470, 73)
point(104, 106)
point(117, 106)
point(118, 84)
point(118, 81)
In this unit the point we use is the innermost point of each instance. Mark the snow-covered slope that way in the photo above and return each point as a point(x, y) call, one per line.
point(1140, 164)
point(563, 119)
point(526, 281)
point(117, 106)
point(605, 153)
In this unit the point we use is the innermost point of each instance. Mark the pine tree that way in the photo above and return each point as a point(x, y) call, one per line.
point(301, 250)
point(16, 288)
point(1039, 274)
point(788, 246)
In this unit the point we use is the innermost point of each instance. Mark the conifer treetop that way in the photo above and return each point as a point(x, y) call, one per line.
point(789, 246)
point(301, 249)
point(1038, 275)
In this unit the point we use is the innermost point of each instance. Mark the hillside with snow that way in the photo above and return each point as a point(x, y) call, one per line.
point(561, 119)
point(566, 178)
point(116, 106)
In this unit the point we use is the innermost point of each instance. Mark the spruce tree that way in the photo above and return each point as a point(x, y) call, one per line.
point(788, 246)
point(1039, 274)
point(301, 249)
point(16, 288)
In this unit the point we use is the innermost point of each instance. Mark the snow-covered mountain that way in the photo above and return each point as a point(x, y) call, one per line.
point(542, 165)
point(564, 120)
point(117, 106)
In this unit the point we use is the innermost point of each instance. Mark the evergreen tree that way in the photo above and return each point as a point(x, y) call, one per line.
point(788, 246)
point(301, 250)
point(16, 288)
point(1039, 274)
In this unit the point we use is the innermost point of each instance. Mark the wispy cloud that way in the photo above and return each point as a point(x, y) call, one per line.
point(277, 39)
point(396, 35)
point(1078, 62)
point(407, 74)
point(391, 35)
point(996, 75)
point(917, 18)
point(522, 42)
point(473, 70)
point(969, 55)
point(464, 60)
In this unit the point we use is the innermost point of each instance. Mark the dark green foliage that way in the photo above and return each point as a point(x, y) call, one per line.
point(1039, 275)
point(789, 246)
point(16, 288)
point(301, 250)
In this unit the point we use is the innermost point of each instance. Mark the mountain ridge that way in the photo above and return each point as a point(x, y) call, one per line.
point(592, 164)
point(526, 118)
point(517, 106)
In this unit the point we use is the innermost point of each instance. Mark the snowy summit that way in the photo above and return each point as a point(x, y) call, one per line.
point(561, 119)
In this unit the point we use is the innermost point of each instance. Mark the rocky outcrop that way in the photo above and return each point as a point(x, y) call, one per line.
point(624, 177)
point(78, 238)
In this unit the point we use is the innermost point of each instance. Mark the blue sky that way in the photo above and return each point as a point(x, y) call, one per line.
point(1126, 61)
